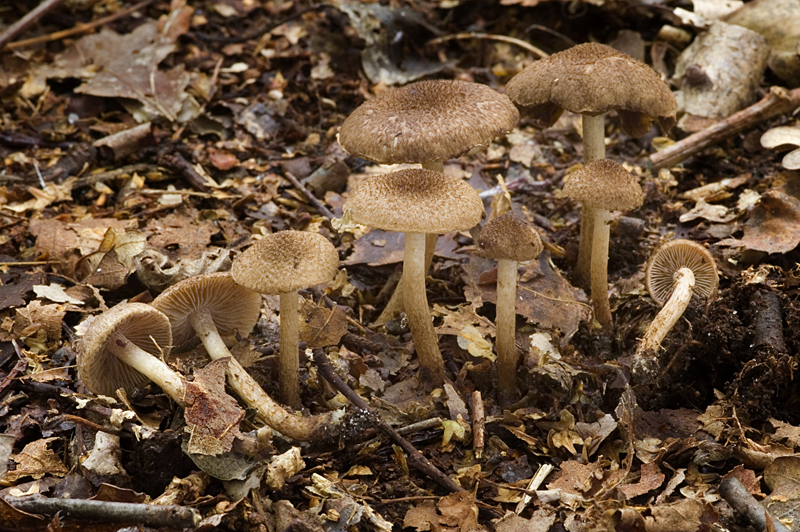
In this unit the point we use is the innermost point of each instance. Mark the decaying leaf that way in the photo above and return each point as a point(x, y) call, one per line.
point(774, 225)
point(37, 460)
point(109, 266)
point(321, 326)
point(283, 466)
point(650, 478)
point(456, 512)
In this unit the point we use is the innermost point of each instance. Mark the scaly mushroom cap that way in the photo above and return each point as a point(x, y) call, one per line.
point(427, 121)
point(286, 261)
point(511, 237)
point(594, 79)
point(232, 306)
point(416, 201)
point(103, 373)
point(604, 184)
point(671, 257)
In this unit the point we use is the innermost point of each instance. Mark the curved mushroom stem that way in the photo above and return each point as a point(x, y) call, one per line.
point(644, 362)
point(594, 148)
point(148, 365)
point(296, 427)
point(395, 304)
point(426, 342)
point(289, 366)
point(602, 309)
point(505, 322)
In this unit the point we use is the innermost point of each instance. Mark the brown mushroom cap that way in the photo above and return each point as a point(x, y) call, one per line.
point(671, 257)
point(604, 184)
point(594, 79)
point(416, 201)
point(232, 306)
point(511, 237)
point(427, 121)
point(103, 373)
point(286, 261)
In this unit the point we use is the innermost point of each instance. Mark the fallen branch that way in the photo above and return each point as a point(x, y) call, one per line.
point(322, 209)
point(778, 101)
point(735, 494)
point(32, 16)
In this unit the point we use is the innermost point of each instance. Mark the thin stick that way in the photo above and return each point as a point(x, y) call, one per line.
point(110, 175)
point(80, 28)
point(734, 492)
point(323, 210)
point(416, 459)
point(778, 101)
point(32, 16)
point(478, 425)
point(490, 37)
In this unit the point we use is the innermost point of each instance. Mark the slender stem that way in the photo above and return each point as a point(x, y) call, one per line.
point(506, 325)
point(602, 309)
point(668, 316)
point(148, 365)
point(419, 317)
point(434, 166)
point(594, 138)
point(594, 148)
point(289, 374)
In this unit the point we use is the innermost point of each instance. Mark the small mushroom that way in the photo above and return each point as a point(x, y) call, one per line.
point(593, 79)
point(120, 349)
point(509, 239)
point(676, 270)
point(784, 136)
point(283, 263)
point(417, 202)
point(211, 306)
point(603, 186)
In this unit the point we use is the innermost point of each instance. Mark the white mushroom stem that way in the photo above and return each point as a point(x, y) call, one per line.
point(289, 359)
point(599, 266)
point(426, 342)
point(505, 322)
point(670, 313)
point(295, 427)
point(594, 148)
point(148, 365)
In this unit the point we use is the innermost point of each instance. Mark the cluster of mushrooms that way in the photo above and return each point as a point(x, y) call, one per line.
point(425, 123)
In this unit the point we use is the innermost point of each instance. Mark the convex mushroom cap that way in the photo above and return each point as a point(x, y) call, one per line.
point(101, 371)
point(286, 261)
point(510, 237)
point(594, 79)
point(427, 121)
point(415, 201)
point(604, 184)
point(784, 136)
point(232, 307)
point(671, 257)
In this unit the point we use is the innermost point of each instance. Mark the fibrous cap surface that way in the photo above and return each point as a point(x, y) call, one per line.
point(511, 237)
point(605, 184)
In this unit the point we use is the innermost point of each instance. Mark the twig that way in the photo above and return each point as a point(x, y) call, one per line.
point(32, 16)
point(323, 210)
point(102, 177)
point(734, 492)
point(172, 516)
point(178, 163)
point(80, 28)
point(478, 424)
point(415, 458)
point(768, 322)
point(490, 37)
point(778, 101)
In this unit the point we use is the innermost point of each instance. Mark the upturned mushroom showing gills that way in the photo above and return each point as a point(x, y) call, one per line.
point(211, 306)
point(283, 263)
point(417, 202)
point(121, 349)
point(509, 239)
point(601, 187)
point(676, 271)
point(593, 79)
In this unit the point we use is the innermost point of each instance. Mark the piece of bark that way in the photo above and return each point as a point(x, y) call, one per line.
point(767, 321)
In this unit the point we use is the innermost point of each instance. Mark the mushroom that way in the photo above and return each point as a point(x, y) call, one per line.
point(508, 239)
point(417, 202)
point(211, 306)
point(593, 79)
point(784, 136)
point(677, 270)
point(601, 187)
point(283, 263)
point(120, 349)
point(426, 122)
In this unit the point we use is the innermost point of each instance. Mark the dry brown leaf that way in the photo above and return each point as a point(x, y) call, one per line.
point(37, 460)
point(576, 478)
point(774, 225)
point(650, 479)
point(457, 512)
point(321, 326)
point(541, 521)
point(36, 316)
point(681, 516)
point(785, 431)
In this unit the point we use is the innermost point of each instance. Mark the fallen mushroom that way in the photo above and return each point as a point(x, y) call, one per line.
point(593, 79)
point(283, 263)
point(603, 186)
point(676, 271)
point(212, 305)
point(784, 136)
point(509, 239)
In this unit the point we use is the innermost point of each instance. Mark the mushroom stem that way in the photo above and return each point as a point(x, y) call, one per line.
point(669, 315)
point(599, 267)
point(434, 166)
point(594, 148)
point(419, 317)
point(505, 322)
point(289, 372)
point(395, 304)
point(148, 365)
point(290, 425)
